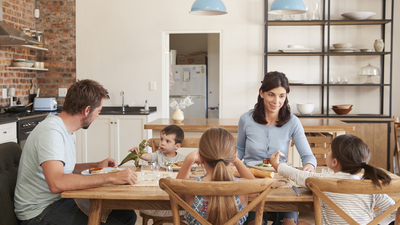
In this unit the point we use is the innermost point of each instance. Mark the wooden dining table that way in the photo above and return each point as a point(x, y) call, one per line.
point(130, 197)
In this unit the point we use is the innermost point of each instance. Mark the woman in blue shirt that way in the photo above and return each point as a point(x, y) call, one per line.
point(269, 127)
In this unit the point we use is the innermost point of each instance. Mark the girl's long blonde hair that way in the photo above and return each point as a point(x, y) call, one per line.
point(217, 148)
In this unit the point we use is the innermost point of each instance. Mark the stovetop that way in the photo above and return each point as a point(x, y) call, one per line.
point(24, 115)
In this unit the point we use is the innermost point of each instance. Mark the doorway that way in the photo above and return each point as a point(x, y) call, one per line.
point(189, 42)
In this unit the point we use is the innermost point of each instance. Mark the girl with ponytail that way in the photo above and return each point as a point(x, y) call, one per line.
point(347, 157)
point(216, 151)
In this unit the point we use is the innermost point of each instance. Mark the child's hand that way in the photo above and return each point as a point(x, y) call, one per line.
point(274, 160)
point(134, 149)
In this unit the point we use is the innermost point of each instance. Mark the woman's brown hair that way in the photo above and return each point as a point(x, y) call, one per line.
point(82, 94)
point(217, 149)
point(353, 155)
point(273, 80)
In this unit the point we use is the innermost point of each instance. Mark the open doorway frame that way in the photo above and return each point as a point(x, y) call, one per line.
point(166, 62)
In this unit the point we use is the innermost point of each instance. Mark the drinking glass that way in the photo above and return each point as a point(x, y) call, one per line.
point(304, 16)
point(147, 173)
point(315, 12)
point(156, 169)
point(168, 172)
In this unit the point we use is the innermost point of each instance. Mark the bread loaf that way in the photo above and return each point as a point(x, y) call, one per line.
point(261, 173)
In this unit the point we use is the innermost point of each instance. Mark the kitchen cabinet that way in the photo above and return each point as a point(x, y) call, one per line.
point(8, 132)
point(111, 136)
point(314, 75)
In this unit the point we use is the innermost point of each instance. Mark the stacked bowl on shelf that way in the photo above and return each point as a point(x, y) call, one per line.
point(342, 47)
point(22, 63)
point(342, 109)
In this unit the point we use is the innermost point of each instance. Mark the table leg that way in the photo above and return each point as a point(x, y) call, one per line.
point(96, 206)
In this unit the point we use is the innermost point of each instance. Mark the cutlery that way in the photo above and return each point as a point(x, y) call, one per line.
point(295, 189)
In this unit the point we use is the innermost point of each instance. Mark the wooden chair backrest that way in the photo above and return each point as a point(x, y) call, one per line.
point(154, 143)
point(320, 144)
point(347, 186)
point(217, 188)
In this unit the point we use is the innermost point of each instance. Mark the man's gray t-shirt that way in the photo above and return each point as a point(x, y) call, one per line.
point(50, 140)
point(161, 159)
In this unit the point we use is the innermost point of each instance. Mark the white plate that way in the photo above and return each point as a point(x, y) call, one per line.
point(106, 170)
point(296, 49)
point(296, 81)
point(254, 163)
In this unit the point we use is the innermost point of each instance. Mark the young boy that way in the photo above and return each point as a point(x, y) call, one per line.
point(171, 140)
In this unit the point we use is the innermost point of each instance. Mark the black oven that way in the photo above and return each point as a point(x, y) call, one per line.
point(25, 126)
point(27, 121)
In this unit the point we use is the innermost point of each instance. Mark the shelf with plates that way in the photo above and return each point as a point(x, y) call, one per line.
point(27, 68)
point(318, 67)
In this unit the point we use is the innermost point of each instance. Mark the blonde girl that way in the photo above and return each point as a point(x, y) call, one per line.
point(216, 150)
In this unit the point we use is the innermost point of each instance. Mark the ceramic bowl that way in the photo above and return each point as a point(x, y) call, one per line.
point(305, 108)
point(19, 64)
point(358, 15)
point(342, 106)
point(342, 45)
point(341, 111)
point(29, 63)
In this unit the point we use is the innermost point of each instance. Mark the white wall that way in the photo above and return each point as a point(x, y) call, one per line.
point(119, 43)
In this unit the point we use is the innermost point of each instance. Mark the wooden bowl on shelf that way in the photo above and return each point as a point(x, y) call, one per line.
point(342, 106)
point(341, 111)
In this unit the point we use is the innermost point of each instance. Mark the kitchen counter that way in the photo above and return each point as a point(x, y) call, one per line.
point(5, 120)
point(117, 110)
point(309, 124)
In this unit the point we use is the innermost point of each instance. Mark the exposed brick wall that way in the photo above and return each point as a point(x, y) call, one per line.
point(57, 21)
point(20, 14)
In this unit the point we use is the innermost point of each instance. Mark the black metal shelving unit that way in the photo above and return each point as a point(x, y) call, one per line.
point(326, 23)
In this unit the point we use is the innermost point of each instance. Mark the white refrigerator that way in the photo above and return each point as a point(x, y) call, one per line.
point(190, 80)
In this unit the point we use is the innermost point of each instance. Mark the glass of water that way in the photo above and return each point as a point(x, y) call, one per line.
point(148, 173)
point(168, 172)
point(156, 169)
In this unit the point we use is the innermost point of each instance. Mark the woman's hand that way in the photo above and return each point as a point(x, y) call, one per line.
point(274, 160)
point(309, 167)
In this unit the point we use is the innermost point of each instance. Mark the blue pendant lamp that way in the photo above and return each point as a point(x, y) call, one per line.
point(208, 7)
point(287, 7)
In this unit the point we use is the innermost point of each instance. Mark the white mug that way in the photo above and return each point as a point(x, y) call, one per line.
point(36, 65)
point(42, 65)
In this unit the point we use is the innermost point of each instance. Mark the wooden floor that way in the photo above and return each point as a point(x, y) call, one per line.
point(307, 217)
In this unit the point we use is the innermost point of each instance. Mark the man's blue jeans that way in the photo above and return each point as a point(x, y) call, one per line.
point(65, 211)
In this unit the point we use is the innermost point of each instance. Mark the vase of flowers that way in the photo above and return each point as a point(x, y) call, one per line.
point(178, 116)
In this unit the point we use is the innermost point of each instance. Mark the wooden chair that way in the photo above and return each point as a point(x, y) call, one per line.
point(320, 144)
point(396, 145)
point(220, 188)
point(347, 186)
